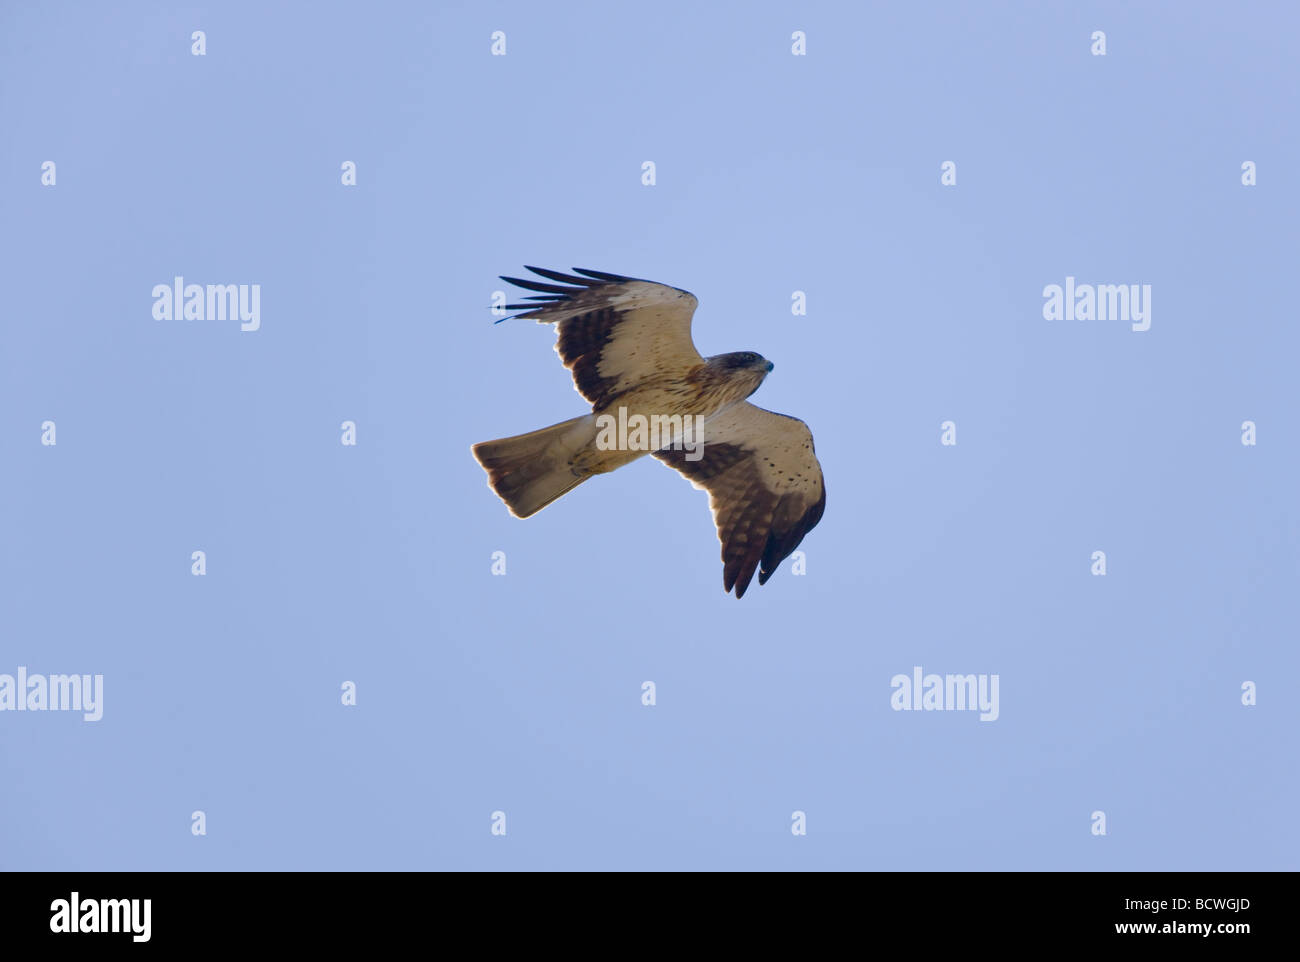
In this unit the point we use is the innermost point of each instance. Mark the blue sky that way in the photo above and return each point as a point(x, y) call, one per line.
point(521, 693)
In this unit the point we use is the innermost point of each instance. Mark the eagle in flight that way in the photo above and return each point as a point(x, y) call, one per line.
point(628, 344)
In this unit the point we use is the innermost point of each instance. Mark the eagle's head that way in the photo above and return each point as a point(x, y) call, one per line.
point(743, 370)
point(743, 361)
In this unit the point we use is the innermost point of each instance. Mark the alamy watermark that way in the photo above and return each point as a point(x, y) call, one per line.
point(77, 915)
point(24, 692)
point(654, 432)
point(211, 302)
point(921, 692)
point(1101, 302)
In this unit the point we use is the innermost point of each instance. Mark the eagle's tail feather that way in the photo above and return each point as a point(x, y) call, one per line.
point(529, 471)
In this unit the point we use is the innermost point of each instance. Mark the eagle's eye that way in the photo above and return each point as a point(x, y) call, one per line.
point(738, 360)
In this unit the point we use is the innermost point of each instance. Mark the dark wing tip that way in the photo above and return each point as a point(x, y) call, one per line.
point(602, 275)
point(561, 277)
point(782, 544)
point(538, 286)
point(574, 283)
point(550, 294)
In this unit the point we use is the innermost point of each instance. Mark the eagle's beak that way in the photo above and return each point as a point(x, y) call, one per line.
point(770, 365)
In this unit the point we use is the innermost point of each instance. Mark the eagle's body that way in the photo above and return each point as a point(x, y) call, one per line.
point(705, 391)
point(628, 344)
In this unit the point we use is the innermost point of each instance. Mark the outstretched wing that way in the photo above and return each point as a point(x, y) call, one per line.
point(614, 332)
point(765, 488)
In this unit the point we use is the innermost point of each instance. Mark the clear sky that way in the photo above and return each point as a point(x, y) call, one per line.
point(775, 173)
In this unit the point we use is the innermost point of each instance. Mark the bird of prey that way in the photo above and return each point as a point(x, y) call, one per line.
point(628, 344)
